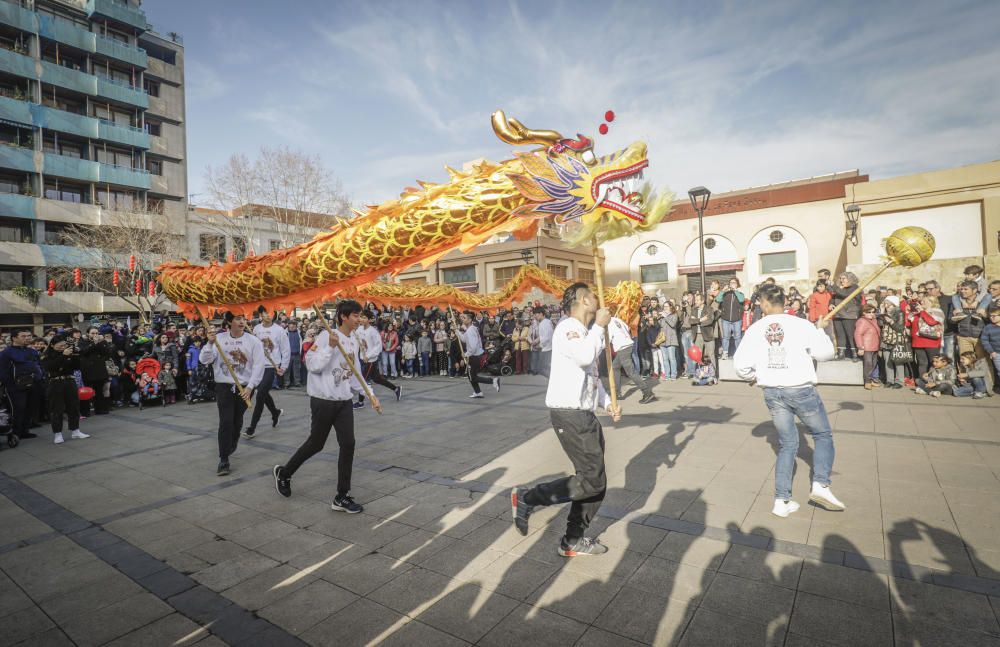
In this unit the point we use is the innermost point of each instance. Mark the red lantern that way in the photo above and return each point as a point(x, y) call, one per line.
point(152, 288)
point(85, 393)
point(77, 276)
point(131, 263)
point(115, 278)
point(138, 286)
point(52, 286)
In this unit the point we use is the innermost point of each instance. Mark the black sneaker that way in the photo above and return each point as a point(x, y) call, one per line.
point(223, 469)
point(282, 485)
point(249, 433)
point(646, 399)
point(345, 504)
point(583, 547)
point(276, 417)
point(520, 510)
point(399, 393)
point(359, 405)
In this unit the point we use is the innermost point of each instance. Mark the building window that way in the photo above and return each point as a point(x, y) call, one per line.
point(560, 271)
point(151, 87)
point(60, 190)
point(118, 200)
point(154, 128)
point(211, 247)
point(274, 245)
point(777, 262)
point(585, 275)
point(12, 184)
point(657, 273)
point(55, 233)
point(709, 243)
point(10, 278)
point(15, 231)
point(464, 274)
point(16, 135)
point(503, 275)
point(776, 236)
point(115, 156)
point(155, 167)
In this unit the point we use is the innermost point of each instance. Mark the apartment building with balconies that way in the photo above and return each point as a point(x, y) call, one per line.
point(92, 122)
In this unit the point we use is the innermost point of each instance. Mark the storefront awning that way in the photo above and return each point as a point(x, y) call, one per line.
point(711, 267)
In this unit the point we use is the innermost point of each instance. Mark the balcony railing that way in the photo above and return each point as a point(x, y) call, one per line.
point(120, 11)
point(114, 48)
point(51, 118)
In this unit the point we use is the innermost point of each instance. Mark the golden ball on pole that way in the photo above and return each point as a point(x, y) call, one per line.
point(910, 246)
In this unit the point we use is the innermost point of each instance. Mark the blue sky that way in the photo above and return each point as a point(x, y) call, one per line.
point(728, 95)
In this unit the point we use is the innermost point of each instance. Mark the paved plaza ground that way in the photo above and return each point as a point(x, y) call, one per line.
point(129, 538)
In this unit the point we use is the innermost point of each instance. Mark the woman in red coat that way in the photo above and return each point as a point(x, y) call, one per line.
point(926, 323)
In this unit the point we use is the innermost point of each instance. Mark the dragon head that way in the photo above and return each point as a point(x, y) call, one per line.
point(566, 180)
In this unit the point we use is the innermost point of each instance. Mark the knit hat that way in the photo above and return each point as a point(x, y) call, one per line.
point(893, 299)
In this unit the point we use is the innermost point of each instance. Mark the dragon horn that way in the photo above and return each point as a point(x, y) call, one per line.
point(513, 131)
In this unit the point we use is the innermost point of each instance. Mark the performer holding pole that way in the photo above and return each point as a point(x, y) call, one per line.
point(371, 347)
point(351, 365)
point(274, 339)
point(237, 361)
point(574, 393)
point(334, 376)
point(472, 351)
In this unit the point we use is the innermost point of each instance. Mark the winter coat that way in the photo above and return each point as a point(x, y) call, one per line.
point(704, 325)
point(16, 361)
point(818, 305)
point(867, 336)
point(167, 381)
point(991, 338)
point(522, 338)
point(166, 354)
point(94, 358)
point(914, 324)
point(939, 376)
point(668, 324)
point(893, 329)
point(55, 364)
point(424, 344)
point(850, 311)
point(730, 305)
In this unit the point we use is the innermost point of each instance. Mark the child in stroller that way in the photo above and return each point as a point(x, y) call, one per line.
point(6, 423)
point(499, 357)
point(147, 382)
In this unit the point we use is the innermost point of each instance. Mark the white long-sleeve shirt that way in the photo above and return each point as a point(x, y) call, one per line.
point(330, 375)
point(246, 354)
point(370, 340)
point(778, 351)
point(545, 331)
point(278, 347)
point(621, 336)
point(471, 341)
point(573, 381)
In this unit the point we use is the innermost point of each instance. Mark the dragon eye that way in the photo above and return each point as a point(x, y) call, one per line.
point(588, 157)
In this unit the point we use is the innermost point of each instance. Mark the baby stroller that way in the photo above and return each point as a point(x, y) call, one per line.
point(201, 385)
point(498, 359)
point(147, 384)
point(6, 421)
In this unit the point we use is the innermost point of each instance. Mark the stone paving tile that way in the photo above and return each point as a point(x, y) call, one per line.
point(364, 575)
point(751, 600)
point(711, 628)
point(840, 623)
point(942, 605)
point(576, 596)
point(870, 590)
point(174, 630)
point(362, 622)
point(528, 625)
point(231, 572)
point(468, 612)
point(115, 620)
point(644, 617)
point(308, 606)
point(24, 624)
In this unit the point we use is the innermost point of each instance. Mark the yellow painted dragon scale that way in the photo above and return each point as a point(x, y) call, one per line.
point(563, 179)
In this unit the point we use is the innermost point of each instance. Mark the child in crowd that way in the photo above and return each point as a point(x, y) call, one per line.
point(458, 368)
point(991, 337)
point(939, 379)
point(168, 382)
point(972, 374)
point(704, 375)
point(129, 383)
point(795, 309)
point(409, 357)
point(424, 349)
point(747, 314)
point(868, 340)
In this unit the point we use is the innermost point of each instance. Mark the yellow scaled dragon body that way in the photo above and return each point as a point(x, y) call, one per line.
point(563, 179)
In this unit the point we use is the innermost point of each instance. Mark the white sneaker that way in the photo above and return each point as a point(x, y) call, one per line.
point(822, 496)
point(78, 435)
point(476, 395)
point(58, 438)
point(496, 384)
point(783, 508)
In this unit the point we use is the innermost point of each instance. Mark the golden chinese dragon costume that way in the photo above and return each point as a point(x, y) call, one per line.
point(597, 197)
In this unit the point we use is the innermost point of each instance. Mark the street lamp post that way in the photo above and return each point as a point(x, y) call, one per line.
point(853, 215)
point(699, 200)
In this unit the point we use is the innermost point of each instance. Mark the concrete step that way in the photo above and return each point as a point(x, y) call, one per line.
point(833, 372)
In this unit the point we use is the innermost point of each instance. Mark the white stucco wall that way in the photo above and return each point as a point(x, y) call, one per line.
point(761, 243)
point(957, 229)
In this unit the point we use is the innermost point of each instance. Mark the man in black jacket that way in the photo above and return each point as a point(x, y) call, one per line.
point(19, 371)
point(701, 318)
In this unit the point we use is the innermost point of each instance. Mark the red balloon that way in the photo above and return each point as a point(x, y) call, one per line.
point(85, 393)
point(603, 129)
point(695, 353)
point(609, 115)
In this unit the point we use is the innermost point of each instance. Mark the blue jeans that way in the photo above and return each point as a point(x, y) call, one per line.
point(965, 390)
point(387, 363)
point(785, 405)
point(732, 329)
point(425, 364)
point(948, 346)
point(535, 359)
point(669, 361)
point(687, 341)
